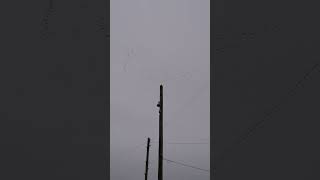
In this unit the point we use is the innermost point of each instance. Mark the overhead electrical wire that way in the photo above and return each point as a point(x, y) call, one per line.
point(186, 165)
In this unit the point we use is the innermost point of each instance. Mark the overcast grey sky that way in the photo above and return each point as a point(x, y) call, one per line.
point(154, 42)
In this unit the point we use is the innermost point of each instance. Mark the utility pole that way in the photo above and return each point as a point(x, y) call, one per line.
point(147, 160)
point(160, 158)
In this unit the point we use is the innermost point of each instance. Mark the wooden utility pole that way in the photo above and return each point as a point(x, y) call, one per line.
point(147, 160)
point(160, 158)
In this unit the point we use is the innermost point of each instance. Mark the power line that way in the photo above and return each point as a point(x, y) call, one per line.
point(268, 115)
point(185, 142)
point(186, 165)
point(189, 143)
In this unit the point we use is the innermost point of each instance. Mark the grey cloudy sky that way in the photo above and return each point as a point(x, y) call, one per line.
point(154, 42)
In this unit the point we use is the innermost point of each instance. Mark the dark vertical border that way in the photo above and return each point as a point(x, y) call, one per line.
point(212, 170)
point(107, 101)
